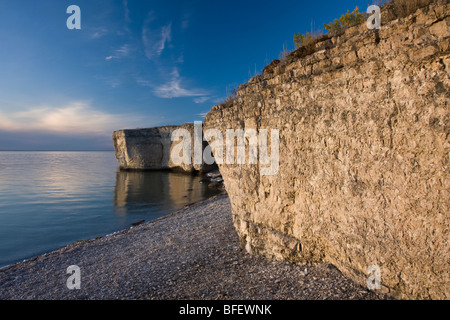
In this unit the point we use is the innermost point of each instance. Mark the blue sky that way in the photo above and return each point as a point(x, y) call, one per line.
point(134, 63)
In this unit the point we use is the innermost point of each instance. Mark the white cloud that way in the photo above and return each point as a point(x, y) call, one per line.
point(174, 89)
point(98, 32)
point(126, 11)
point(186, 21)
point(155, 41)
point(73, 118)
point(180, 59)
point(201, 100)
point(219, 100)
point(203, 114)
point(143, 83)
point(122, 52)
point(113, 81)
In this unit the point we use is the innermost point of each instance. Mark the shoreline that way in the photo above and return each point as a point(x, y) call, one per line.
point(189, 254)
point(83, 241)
point(201, 193)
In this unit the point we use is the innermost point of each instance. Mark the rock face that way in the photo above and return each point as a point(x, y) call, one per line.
point(364, 156)
point(151, 149)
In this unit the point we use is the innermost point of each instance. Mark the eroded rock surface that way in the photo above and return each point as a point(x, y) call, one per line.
point(364, 156)
point(151, 149)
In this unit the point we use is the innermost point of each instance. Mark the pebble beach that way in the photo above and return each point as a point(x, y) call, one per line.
point(191, 254)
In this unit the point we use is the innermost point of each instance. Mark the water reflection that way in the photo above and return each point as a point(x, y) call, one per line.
point(51, 199)
point(159, 190)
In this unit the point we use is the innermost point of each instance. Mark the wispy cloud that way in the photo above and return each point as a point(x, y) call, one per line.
point(99, 32)
point(180, 59)
point(143, 83)
point(203, 114)
point(210, 99)
point(113, 81)
point(73, 118)
point(185, 22)
point(122, 52)
point(174, 88)
point(155, 40)
point(126, 11)
point(201, 100)
point(218, 100)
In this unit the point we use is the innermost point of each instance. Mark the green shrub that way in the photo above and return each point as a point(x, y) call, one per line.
point(394, 8)
point(347, 20)
point(301, 40)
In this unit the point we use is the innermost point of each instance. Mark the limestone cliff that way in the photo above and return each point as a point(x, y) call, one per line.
point(150, 149)
point(364, 155)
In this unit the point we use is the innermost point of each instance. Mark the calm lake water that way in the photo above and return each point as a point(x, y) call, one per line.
point(52, 199)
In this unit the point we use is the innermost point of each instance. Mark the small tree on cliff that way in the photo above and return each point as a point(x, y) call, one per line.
point(301, 40)
point(347, 20)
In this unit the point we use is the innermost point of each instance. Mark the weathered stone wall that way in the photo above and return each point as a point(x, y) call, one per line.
point(151, 149)
point(364, 156)
point(143, 148)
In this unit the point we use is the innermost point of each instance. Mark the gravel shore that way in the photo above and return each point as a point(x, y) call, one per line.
point(191, 254)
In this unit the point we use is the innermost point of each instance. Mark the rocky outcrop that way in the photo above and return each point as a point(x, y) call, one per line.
point(151, 149)
point(364, 150)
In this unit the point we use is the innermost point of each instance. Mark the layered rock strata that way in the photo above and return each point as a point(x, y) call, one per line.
point(152, 149)
point(363, 178)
